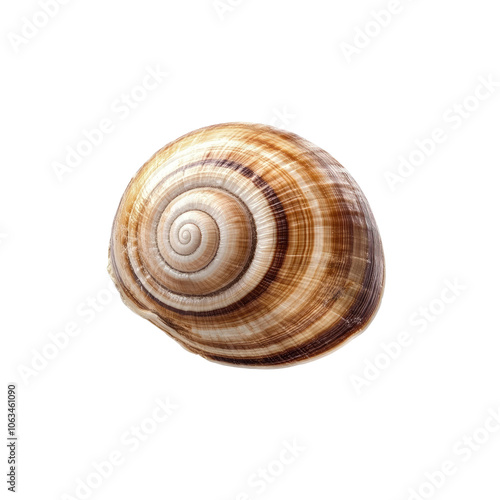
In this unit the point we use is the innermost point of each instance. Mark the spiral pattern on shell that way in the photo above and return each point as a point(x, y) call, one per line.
point(249, 246)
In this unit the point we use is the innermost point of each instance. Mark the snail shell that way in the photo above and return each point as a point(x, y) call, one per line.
point(249, 246)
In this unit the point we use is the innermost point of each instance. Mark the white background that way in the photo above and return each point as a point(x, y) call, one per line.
point(270, 61)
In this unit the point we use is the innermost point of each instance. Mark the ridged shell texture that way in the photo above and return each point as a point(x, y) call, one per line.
point(249, 246)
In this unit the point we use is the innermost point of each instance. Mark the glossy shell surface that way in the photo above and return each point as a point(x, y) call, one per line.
point(249, 246)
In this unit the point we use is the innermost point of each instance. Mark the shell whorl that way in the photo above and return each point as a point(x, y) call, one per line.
point(249, 246)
